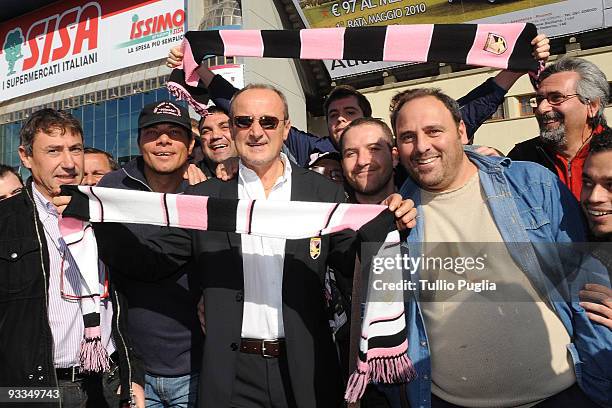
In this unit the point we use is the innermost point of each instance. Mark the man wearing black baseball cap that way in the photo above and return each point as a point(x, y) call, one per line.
point(163, 321)
point(164, 112)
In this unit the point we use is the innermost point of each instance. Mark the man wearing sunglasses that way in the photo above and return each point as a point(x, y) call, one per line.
point(268, 341)
point(569, 106)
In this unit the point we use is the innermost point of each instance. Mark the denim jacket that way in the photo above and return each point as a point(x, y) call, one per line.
point(529, 205)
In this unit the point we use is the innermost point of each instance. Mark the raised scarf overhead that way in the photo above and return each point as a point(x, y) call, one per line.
point(505, 46)
point(383, 345)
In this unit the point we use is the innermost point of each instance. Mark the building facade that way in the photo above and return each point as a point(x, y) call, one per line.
point(108, 105)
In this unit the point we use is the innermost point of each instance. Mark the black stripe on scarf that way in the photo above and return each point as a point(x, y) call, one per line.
point(387, 320)
point(91, 319)
point(199, 93)
point(166, 210)
point(221, 214)
point(383, 342)
point(387, 341)
point(331, 214)
point(280, 43)
point(364, 43)
point(250, 215)
point(208, 42)
point(100, 202)
point(451, 42)
point(523, 45)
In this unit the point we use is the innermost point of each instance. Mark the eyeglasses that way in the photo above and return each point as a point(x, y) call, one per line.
point(553, 98)
point(334, 175)
point(266, 122)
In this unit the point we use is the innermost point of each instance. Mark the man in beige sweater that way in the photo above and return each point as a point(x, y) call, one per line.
point(496, 332)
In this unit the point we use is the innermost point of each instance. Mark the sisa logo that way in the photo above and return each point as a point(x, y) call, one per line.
point(157, 24)
point(54, 37)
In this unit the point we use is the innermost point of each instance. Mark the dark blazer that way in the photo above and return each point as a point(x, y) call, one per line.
point(312, 360)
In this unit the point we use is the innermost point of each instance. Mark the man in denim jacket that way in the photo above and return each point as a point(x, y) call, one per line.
point(476, 350)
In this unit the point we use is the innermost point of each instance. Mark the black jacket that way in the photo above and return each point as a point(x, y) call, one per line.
point(162, 315)
point(533, 150)
point(26, 342)
point(312, 360)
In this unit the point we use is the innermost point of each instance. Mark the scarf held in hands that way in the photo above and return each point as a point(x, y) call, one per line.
point(383, 344)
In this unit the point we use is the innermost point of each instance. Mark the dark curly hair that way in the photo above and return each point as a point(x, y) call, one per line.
point(601, 142)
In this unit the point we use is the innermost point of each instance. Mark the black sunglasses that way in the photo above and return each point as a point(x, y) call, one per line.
point(266, 122)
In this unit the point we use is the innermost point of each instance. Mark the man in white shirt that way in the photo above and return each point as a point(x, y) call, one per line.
point(268, 341)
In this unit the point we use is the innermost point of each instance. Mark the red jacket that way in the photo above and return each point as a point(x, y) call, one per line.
point(569, 171)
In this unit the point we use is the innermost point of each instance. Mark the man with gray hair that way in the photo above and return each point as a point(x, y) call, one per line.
point(569, 106)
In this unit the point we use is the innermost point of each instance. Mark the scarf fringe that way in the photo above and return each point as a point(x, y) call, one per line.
point(182, 94)
point(357, 384)
point(534, 76)
point(389, 370)
point(93, 356)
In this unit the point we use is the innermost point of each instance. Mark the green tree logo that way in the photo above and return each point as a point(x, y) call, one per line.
point(12, 48)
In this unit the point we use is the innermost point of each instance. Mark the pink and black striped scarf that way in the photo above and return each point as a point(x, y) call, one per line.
point(383, 344)
point(505, 46)
point(81, 242)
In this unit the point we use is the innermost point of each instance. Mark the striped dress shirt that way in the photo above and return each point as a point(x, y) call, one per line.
point(65, 316)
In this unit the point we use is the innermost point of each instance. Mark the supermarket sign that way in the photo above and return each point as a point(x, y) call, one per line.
point(72, 40)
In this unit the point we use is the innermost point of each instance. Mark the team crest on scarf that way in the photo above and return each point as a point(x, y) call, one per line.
point(495, 44)
point(315, 247)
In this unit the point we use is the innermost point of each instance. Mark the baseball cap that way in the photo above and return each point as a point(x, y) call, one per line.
point(164, 112)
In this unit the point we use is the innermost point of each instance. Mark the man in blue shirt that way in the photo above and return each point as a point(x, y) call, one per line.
point(527, 340)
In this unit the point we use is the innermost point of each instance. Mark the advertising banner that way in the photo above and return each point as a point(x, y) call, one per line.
point(552, 17)
point(72, 40)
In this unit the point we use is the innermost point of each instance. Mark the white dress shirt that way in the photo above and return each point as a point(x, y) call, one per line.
point(262, 262)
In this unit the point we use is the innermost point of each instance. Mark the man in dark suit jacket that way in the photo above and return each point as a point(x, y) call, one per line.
point(268, 341)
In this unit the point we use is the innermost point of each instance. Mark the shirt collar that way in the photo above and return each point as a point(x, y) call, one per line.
point(44, 206)
point(247, 175)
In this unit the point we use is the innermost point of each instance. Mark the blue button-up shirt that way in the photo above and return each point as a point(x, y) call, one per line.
point(532, 209)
